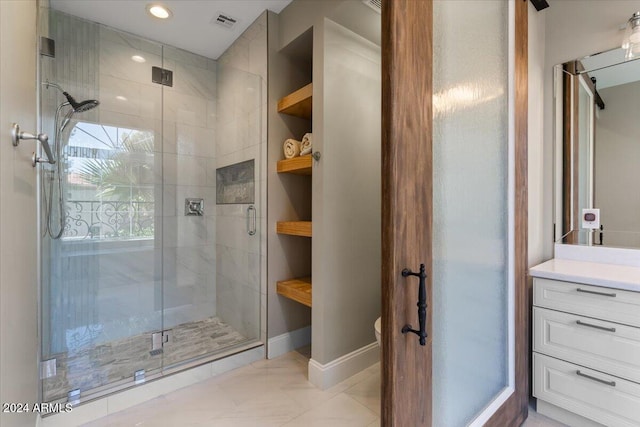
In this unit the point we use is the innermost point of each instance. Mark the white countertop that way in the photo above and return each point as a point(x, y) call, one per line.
point(590, 273)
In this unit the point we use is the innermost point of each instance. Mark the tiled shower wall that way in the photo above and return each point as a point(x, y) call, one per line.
point(242, 135)
point(213, 116)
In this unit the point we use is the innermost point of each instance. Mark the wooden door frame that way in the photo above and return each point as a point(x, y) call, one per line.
point(406, 151)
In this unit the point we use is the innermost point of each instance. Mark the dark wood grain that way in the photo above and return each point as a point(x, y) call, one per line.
point(406, 207)
point(515, 410)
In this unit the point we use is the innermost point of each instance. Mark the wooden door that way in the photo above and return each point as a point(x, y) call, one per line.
point(409, 190)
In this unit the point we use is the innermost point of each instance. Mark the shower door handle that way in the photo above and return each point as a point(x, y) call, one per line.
point(251, 220)
point(422, 305)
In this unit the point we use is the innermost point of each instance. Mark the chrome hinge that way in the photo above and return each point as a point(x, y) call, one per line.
point(73, 397)
point(138, 377)
point(48, 369)
point(159, 339)
point(162, 76)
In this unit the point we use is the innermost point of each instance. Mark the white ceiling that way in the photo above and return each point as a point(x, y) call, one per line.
point(189, 28)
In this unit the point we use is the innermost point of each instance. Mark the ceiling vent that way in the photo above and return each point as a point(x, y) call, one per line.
point(374, 4)
point(225, 20)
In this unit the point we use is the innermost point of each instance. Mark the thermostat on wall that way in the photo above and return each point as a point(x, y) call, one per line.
point(591, 219)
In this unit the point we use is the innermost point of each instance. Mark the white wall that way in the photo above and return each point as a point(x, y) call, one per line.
point(18, 256)
point(540, 201)
point(572, 29)
point(346, 192)
point(302, 14)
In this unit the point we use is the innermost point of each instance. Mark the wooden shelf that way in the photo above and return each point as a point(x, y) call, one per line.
point(298, 165)
point(298, 103)
point(296, 289)
point(294, 228)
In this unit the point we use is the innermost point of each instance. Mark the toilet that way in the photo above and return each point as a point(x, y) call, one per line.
point(378, 327)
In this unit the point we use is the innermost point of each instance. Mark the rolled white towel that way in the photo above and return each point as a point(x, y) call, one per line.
point(306, 144)
point(291, 148)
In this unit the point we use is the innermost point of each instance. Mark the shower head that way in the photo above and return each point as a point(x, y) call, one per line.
point(78, 107)
point(81, 107)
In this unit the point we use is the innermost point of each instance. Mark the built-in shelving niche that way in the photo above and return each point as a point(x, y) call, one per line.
point(299, 104)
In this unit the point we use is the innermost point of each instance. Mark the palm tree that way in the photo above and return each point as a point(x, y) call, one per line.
point(128, 174)
point(124, 185)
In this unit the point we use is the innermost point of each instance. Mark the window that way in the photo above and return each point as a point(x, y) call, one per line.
point(109, 183)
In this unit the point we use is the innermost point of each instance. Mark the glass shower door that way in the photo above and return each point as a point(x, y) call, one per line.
point(212, 193)
point(101, 246)
point(151, 247)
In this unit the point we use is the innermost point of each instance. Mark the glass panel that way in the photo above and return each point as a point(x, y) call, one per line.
point(470, 237)
point(99, 252)
point(139, 247)
point(211, 265)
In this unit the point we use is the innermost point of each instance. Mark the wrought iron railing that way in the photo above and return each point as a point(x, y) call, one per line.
point(113, 220)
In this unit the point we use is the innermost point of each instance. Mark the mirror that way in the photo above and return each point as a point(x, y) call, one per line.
point(597, 151)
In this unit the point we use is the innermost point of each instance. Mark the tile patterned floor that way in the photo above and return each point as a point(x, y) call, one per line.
point(269, 393)
point(92, 366)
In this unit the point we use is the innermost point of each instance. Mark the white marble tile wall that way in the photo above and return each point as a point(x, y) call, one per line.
point(241, 135)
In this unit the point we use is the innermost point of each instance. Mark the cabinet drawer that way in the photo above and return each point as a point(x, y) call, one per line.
point(604, 346)
point(583, 391)
point(610, 304)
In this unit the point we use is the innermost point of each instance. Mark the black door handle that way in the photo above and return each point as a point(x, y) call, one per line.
point(422, 305)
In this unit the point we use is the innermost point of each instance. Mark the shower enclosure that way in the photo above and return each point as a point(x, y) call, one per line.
point(150, 256)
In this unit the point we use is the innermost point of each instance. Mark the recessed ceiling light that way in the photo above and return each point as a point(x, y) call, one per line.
point(121, 98)
point(159, 11)
point(138, 58)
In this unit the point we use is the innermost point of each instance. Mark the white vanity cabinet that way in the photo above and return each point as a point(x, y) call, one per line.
point(586, 345)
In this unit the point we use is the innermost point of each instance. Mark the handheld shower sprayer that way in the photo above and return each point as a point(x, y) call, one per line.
point(78, 107)
point(58, 172)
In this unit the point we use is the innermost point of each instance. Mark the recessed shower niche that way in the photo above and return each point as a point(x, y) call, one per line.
point(133, 288)
point(235, 184)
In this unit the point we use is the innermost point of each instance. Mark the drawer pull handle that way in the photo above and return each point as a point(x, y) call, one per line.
point(604, 294)
point(581, 323)
point(611, 383)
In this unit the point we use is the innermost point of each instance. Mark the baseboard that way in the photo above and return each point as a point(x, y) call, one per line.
point(325, 376)
point(277, 346)
point(562, 415)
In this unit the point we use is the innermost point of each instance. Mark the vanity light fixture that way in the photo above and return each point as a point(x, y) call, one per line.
point(631, 43)
point(159, 11)
point(138, 58)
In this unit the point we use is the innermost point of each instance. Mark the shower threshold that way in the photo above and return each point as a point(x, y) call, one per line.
point(109, 367)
